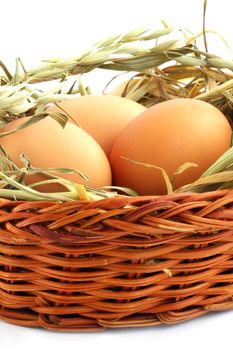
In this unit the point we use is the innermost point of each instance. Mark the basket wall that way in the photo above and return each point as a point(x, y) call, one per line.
point(116, 262)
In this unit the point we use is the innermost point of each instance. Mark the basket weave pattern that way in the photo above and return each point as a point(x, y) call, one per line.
point(117, 262)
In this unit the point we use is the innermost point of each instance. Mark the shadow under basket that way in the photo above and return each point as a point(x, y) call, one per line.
point(116, 262)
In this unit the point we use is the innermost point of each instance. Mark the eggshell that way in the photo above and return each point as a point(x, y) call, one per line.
point(168, 135)
point(102, 116)
point(48, 145)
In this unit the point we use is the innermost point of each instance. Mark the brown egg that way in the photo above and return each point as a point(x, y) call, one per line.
point(168, 135)
point(48, 145)
point(102, 116)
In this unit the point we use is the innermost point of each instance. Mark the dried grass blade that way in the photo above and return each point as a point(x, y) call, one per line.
point(182, 168)
point(27, 190)
point(217, 90)
point(139, 90)
point(222, 163)
point(164, 173)
point(218, 62)
point(144, 34)
point(58, 117)
point(202, 184)
point(189, 61)
point(160, 48)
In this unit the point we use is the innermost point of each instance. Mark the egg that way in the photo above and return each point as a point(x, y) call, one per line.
point(48, 145)
point(102, 116)
point(167, 135)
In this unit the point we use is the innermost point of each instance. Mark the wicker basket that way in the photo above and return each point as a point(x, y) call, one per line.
point(117, 262)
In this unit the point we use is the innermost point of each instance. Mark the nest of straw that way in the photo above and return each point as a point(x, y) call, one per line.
point(90, 259)
point(163, 64)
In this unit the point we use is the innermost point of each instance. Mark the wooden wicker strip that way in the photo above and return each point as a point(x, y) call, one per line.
point(117, 262)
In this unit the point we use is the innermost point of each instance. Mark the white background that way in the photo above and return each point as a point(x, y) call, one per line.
point(35, 30)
